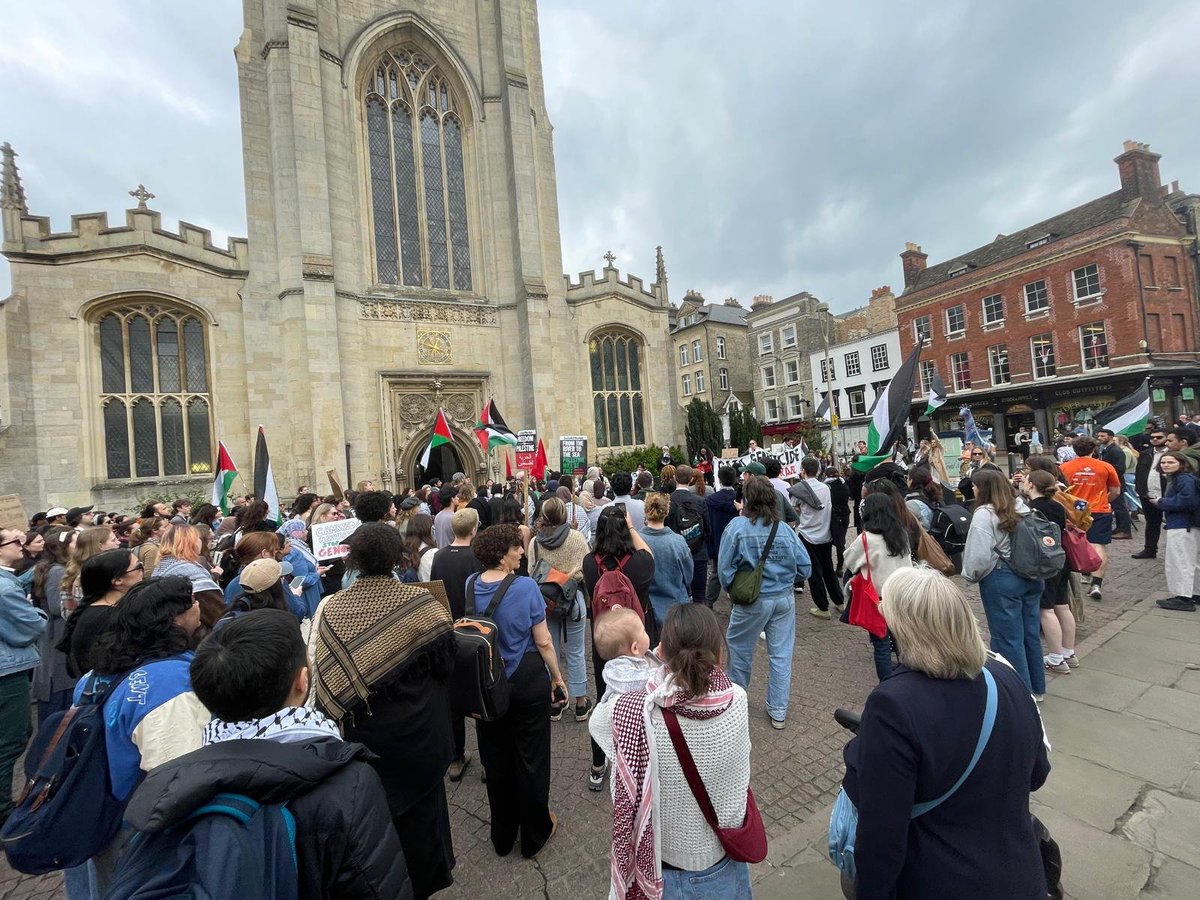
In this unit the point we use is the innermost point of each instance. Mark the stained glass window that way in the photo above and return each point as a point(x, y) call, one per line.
point(418, 181)
point(618, 405)
point(157, 422)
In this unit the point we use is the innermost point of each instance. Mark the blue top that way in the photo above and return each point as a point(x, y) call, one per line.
point(1180, 502)
point(743, 544)
point(521, 608)
point(673, 568)
point(306, 573)
point(20, 624)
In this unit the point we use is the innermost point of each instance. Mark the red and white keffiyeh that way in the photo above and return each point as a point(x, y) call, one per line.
point(636, 860)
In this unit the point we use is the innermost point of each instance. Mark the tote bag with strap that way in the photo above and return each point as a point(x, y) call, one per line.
point(864, 599)
point(930, 551)
point(1081, 555)
point(746, 585)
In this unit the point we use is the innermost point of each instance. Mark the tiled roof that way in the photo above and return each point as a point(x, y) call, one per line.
point(1080, 219)
point(718, 313)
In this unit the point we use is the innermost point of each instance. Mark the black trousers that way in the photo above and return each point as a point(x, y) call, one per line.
point(1153, 516)
point(515, 752)
point(823, 581)
point(458, 725)
point(838, 527)
point(424, 832)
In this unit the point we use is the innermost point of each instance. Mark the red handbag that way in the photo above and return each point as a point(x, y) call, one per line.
point(747, 842)
point(1081, 556)
point(864, 600)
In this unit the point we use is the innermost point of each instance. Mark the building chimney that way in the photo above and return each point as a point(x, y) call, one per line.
point(732, 301)
point(1139, 171)
point(914, 263)
point(761, 300)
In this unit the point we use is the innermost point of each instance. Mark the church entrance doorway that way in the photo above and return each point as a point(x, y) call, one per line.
point(410, 401)
point(444, 461)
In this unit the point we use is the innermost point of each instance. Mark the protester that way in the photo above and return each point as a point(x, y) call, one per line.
point(52, 680)
point(257, 545)
point(306, 571)
point(919, 731)
point(20, 627)
point(659, 836)
point(1150, 483)
point(480, 504)
point(35, 543)
point(774, 612)
point(923, 497)
point(814, 505)
point(88, 543)
point(722, 509)
point(1011, 602)
point(882, 549)
point(515, 748)
point(443, 534)
point(144, 541)
point(673, 561)
point(1058, 623)
point(419, 548)
point(839, 521)
point(1108, 450)
point(261, 582)
point(1096, 482)
point(577, 516)
point(1180, 506)
point(264, 743)
point(557, 545)
point(383, 661)
point(452, 566)
point(512, 514)
point(206, 516)
point(180, 555)
point(106, 578)
point(334, 569)
point(622, 484)
point(618, 546)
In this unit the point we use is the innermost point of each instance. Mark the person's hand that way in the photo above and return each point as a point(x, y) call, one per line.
point(629, 520)
point(321, 570)
point(297, 588)
point(554, 687)
point(217, 570)
point(737, 504)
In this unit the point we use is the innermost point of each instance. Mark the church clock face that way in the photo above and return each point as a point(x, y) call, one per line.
point(433, 347)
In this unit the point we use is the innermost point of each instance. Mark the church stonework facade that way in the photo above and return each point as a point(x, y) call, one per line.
point(402, 253)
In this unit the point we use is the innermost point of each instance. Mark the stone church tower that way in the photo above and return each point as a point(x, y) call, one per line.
point(403, 253)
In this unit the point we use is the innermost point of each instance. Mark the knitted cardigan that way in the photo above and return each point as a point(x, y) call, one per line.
point(568, 557)
point(721, 749)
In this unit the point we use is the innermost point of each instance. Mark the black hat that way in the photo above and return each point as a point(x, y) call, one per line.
point(410, 503)
point(78, 511)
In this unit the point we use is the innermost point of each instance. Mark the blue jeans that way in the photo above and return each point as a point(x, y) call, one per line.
point(568, 645)
point(776, 615)
point(1012, 605)
point(727, 880)
point(882, 648)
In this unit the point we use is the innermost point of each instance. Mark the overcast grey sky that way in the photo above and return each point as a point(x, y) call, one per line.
point(770, 146)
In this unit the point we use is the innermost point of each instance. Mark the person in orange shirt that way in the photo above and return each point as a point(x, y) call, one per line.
point(1096, 482)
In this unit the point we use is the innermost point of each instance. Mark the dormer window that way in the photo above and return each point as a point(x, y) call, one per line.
point(960, 269)
point(1039, 241)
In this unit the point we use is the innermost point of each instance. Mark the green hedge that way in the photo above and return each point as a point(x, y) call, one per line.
point(648, 457)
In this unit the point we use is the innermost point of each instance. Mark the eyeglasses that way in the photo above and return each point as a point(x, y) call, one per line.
point(17, 540)
point(140, 567)
point(1158, 437)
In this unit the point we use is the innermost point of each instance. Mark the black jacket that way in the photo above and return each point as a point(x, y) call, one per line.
point(721, 512)
point(918, 735)
point(681, 497)
point(1114, 456)
point(484, 509)
point(346, 845)
point(839, 500)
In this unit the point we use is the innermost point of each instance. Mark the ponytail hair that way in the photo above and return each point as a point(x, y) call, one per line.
point(692, 642)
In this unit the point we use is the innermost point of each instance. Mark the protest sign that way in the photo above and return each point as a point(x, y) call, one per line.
point(789, 460)
point(526, 448)
point(572, 452)
point(329, 537)
point(336, 486)
point(12, 513)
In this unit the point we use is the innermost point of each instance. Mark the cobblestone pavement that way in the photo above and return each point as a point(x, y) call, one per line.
point(795, 771)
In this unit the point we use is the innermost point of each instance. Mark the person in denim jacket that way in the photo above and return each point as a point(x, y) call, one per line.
point(20, 625)
point(774, 612)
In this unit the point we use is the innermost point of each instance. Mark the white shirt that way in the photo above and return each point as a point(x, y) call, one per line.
point(636, 510)
point(1154, 477)
point(814, 523)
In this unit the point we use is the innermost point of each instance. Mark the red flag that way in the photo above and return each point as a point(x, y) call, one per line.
point(538, 469)
point(507, 467)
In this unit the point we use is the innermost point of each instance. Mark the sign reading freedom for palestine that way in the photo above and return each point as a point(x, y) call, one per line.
point(526, 448)
point(572, 452)
point(329, 539)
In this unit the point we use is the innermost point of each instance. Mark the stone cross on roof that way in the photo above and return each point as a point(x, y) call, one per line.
point(141, 195)
point(610, 258)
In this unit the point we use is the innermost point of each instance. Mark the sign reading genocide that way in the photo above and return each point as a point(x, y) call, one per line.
point(329, 539)
point(572, 453)
point(789, 460)
point(12, 513)
point(526, 448)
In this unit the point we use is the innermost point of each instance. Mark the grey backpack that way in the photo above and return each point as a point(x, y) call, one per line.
point(1036, 549)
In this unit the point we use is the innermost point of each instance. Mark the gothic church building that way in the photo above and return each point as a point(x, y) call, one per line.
point(403, 253)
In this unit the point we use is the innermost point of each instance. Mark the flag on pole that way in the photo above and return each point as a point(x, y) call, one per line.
point(823, 409)
point(226, 472)
point(441, 435)
point(507, 466)
point(538, 469)
point(937, 393)
point(264, 478)
point(491, 429)
point(1128, 416)
point(970, 429)
point(889, 414)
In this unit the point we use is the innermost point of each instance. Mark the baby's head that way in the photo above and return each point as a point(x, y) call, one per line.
point(620, 632)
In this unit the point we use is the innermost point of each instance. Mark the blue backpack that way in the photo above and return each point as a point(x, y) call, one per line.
point(230, 847)
point(66, 813)
point(843, 822)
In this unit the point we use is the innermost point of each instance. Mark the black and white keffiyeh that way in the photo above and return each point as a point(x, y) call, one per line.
point(290, 725)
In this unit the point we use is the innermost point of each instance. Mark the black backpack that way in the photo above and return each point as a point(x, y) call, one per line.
point(479, 688)
point(691, 524)
point(951, 523)
point(412, 574)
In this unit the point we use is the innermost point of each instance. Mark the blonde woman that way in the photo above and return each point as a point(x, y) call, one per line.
point(88, 543)
point(919, 732)
point(937, 461)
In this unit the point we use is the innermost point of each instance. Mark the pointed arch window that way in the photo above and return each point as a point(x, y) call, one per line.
point(615, 359)
point(154, 398)
point(417, 166)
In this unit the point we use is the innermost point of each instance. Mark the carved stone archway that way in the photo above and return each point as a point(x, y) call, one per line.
point(409, 403)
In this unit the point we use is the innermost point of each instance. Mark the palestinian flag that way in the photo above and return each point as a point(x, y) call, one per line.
point(441, 435)
point(937, 393)
point(492, 430)
point(264, 478)
point(889, 414)
point(226, 472)
point(1128, 416)
point(823, 410)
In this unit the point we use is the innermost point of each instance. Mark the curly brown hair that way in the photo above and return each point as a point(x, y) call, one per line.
point(492, 544)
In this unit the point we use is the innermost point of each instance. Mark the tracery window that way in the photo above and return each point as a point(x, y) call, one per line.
point(417, 174)
point(615, 359)
point(154, 393)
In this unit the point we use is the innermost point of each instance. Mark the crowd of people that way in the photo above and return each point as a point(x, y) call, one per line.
point(228, 658)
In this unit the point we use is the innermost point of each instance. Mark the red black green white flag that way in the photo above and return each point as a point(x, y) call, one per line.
point(1129, 415)
point(889, 414)
point(441, 435)
point(226, 472)
point(264, 478)
point(491, 429)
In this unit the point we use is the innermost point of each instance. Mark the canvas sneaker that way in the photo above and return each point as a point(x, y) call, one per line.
point(1061, 668)
point(819, 613)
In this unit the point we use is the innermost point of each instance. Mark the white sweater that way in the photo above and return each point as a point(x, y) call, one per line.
point(721, 749)
point(883, 564)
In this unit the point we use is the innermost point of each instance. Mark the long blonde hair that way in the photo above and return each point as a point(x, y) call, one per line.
point(991, 487)
point(87, 544)
point(933, 624)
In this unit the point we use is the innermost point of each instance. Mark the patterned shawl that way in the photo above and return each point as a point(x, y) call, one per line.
point(367, 636)
point(636, 860)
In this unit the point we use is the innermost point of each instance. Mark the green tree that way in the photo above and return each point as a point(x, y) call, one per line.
point(744, 427)
point(703, 428)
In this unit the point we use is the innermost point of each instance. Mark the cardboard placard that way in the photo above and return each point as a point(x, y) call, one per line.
point(729, 453)
point(572, 454)
point(527, 441)
point(12, 513)
point(329, 539)
point(335, 485)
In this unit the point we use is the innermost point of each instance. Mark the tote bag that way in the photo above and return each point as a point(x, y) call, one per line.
point(1081, 556)
point(864, 600)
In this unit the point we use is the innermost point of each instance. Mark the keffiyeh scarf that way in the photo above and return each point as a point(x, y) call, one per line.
point(290, 725)
point(636, 860)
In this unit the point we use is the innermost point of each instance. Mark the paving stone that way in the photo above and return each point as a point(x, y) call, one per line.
point(1118, 661)
point(1189, 681)
point(1168, 825)
point(1095, 687)
point(1091, 793)
point(1178, 708)
point(1096, 865)
point(1170, 627)
point(1172, 880)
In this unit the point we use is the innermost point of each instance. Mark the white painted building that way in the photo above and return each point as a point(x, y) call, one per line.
point(859, 371)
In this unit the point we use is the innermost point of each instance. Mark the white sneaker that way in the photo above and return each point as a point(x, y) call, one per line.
point(819, 613)
point(1094, 593)
point(1038, 698)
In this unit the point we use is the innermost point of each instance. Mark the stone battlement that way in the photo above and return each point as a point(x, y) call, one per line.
point(589, 286)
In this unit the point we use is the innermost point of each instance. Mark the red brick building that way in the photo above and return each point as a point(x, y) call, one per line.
point(1050, 324)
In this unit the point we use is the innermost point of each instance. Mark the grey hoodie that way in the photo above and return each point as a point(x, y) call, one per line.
point(987, 544)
